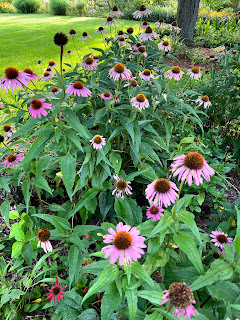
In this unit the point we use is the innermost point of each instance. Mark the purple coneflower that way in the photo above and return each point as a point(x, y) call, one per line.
point(130, 30)
point(154, 212)
point(148, 34)
point(72, 33)
point(8, 130)
point(143, 11)
point(12, 205)
point(220, 239)
point(137, 45)
point(165, 45)
point(13, 79)
point(69, 52)
point(52, 64)
point(121, 41)
point(180, 297)
point(160, 23)
point(203, 100)
point(43, 240)
point(133, 83)
point(140, 101)
point(12, 159)
point(119, 71)
point(120, 34)
point(89, 64)
point(77, 88)
point(47, 75)
point(192, 166)
point(100, 30)
point(32, 76)
point(98, 142)
point(109, 22)
point(158, 70)
point(162, 191)
point(127, 244)
point(85, 36)
point(174, 26)
point(146, 74)
point(121, 186)
point(106, 95)
point(144, 25)
point(194, 73)
point(174, 73)
point(37, 107)
point(212, 57)
point(95, 59)
point(56, 292)
point(115, 12)
point(55, 90)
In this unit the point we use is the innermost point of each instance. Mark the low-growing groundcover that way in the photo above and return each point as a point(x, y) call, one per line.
point(102, 173)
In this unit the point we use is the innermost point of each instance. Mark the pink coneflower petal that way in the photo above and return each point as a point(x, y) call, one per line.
point(56, 292)
point(13, 79)
point(220, 239)
point(126, 246)
point(12, 159)
point(143, 11)
point(140, 102)
point(194, 73)
point(98, 142)
point(165, 45)
point(121, 186)
point(77, 88)
point(37, 108)
point(148, 34)
point(161, 192)
point(191, 166)
point(119, 71)
point(174, 73)
point(154, 212)
point(203, 100)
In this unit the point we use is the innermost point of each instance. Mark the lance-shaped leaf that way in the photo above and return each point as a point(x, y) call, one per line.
point(68, 169)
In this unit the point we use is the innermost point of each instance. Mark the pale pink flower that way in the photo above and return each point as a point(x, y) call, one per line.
point(119, 71)
point(12, 205)
point(69, 52)
point(174, 26)
point(106, 95)
point(37, 108)
point(43, 240)
point(55, 90)
point(77, 88)
point(180, 297)
point(144, 25)
point(52, 64)
point(85, 36)
point(115, 12)
point(101, 30)
point(174, 73)
point(165, 45)
point(220, 239)
point(140, 101)
point(121, 186)
point(143, 11)
point(47, 75)
point(32, 75)
point(121, 41)
point(13, 79)
point(89, 64)
point(72, 33)
point(146, 74)
point(95, 59)
point(12, 159)
point(56, 292)
point(8, 130)
point(148, 34)
point(154, 212)
point(127, 244)
point(160, 23)
point(98, 142)
point(192, 166)
point(162, 191)
point(203, 100)
point(109, 22)
point(137, 45)
point(194, 73)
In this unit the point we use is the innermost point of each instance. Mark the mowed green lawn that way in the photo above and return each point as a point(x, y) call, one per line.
point(27, 38)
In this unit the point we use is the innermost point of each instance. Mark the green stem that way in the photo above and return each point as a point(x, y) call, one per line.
point(210, 252)
point(179, 191)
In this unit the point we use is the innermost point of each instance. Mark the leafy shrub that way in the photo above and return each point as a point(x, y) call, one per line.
point(80, 6)
point(58, 7)
point(27, 6)
point(6, 7)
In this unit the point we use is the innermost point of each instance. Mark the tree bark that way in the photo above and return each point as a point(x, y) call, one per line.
point(187, 13)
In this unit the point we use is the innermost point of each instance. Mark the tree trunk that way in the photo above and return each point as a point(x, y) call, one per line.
point(187, 13)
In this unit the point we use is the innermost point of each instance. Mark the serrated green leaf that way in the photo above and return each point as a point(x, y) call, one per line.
point(166, 221)
point(73, 263)
point(188, 219)
point(112, 295)
point(73, 120)
point(153, 296)
point(41, 183)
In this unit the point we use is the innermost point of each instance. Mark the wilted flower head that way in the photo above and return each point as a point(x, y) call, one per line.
point(89, 64)
point(127, 244)
point(55, 90)
point(56, 292)
point(115, 12)
point(85, 36)
point(220, 239)
point(101, 30)
point(144, 25)
point(8, 130)
point(72, 33)
point(160, 22)
point(109, 22)
point(130, 30)
point(174, 26)
point(52, 64)
point(47, 75)
point(192, 166)
point(146, 74)
point(121, 186)
point(180, 297)
point(43, 240)
point(32, 76)
point(60, 39)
